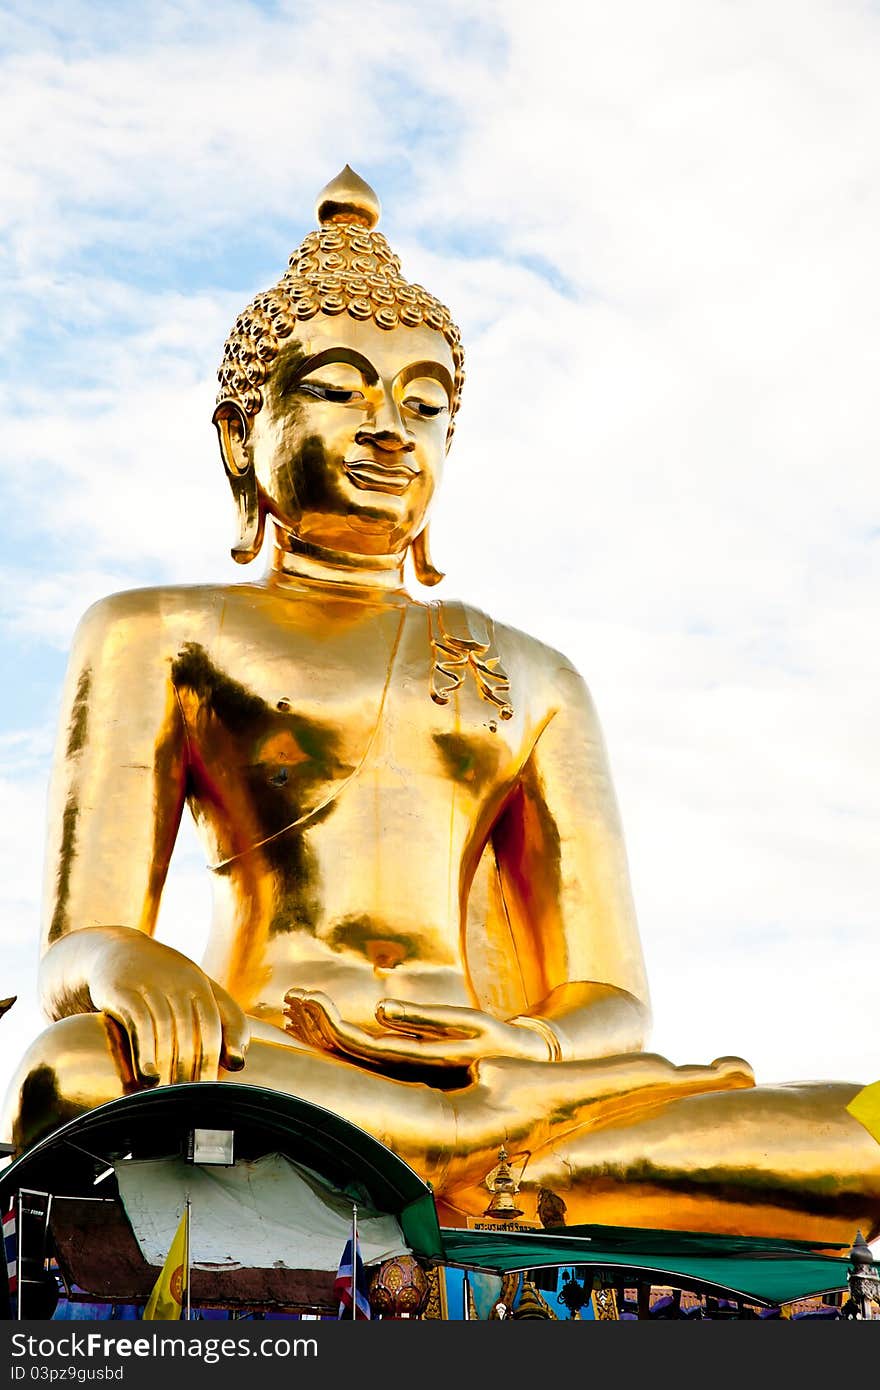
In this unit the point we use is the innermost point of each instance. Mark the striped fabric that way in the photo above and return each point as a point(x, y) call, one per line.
point(10, 1250)
point(346, 1277)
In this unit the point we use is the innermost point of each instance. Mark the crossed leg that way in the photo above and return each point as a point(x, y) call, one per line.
point(629, 1140)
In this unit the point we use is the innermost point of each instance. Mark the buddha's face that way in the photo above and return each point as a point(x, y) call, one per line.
point(349, 444)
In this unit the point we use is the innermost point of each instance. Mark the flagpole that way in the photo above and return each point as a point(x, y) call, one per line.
point(354, 1258)
point(46, 1226)
point(18, 1260)
point(188, 1255)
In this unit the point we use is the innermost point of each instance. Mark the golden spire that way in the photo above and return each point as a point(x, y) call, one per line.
point(347, 199)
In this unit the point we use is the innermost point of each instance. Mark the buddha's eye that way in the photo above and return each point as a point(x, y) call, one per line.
point(424, 396)
point(425, 409)
point(341, 395)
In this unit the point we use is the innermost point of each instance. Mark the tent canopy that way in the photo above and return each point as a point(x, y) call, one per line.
point(156, 1124)
point(760, 1271)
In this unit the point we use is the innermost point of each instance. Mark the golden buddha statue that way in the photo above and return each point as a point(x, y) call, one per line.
point(422, 918)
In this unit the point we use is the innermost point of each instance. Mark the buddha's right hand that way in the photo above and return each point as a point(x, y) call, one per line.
point(180, 1024)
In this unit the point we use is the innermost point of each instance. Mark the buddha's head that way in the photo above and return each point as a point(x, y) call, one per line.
point(338, 393)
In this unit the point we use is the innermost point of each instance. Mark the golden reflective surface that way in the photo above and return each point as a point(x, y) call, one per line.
point(422, 913)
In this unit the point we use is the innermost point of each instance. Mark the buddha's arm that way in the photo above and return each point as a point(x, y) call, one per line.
point(562, 862)
point(115, 804)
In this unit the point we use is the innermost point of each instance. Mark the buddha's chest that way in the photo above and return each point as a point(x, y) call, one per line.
point(291, 711)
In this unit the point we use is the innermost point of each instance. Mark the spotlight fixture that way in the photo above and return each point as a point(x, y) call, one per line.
point(211, 1146)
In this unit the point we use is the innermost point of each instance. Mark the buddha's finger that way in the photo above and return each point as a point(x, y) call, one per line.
point(162, 1022)
point(208, 1038)
point(320, 1017)
point(338, 1035)
point(301, 1026)
point(235, 1030)
point(313, 996)
point(349, 1039)
point(328, 1030)
point(186, 1042)
point(435, 1020)
point(294, 1020)
point(363, 1047)
point(319, 1022)
point(400, 1047)
point(196, 1073)
point(132, 1014)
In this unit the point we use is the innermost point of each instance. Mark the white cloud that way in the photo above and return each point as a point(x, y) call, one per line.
point(22, 814)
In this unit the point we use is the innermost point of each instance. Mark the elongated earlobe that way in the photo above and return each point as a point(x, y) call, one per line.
point(251, 518)
point(422, 563)
point(232, 428)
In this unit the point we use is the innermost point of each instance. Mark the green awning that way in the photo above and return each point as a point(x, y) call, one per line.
point(760, 1271)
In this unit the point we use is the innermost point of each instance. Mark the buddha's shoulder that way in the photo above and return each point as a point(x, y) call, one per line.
point(178, 611)
point(529, 662)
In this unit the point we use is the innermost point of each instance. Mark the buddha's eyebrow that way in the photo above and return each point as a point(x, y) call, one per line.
point(434, 369)
point(339, 354)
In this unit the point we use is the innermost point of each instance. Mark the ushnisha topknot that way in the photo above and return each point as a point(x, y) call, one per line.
point(346, 266)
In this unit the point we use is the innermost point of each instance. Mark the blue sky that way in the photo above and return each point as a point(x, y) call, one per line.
point(657, 228)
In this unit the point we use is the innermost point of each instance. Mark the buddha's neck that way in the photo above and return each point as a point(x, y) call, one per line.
point(294, 559)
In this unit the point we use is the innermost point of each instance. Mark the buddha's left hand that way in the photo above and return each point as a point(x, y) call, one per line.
point(439, 1035)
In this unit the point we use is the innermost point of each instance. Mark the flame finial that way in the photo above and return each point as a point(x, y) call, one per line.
point(348, 199)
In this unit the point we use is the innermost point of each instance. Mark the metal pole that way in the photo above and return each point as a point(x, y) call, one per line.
point(355, 1261)
point(188, 1254)
point(466, 1292)
point(18, 1258)
point(46, 1227)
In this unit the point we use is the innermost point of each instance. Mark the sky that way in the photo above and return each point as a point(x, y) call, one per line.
point(656, 224)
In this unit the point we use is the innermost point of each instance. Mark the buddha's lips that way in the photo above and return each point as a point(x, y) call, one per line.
point(373, 476)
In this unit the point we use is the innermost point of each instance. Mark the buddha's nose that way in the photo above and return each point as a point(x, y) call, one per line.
point(386, 430)
point(392, 441)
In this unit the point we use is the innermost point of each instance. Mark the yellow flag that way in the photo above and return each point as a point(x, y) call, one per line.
point(169, 1291)
point(865, 1107)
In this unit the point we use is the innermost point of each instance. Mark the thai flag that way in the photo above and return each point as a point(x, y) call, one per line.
point(342, 1286)
point(10, 1250)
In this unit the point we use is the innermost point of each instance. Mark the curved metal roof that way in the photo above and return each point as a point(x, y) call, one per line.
point(157, 1122)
